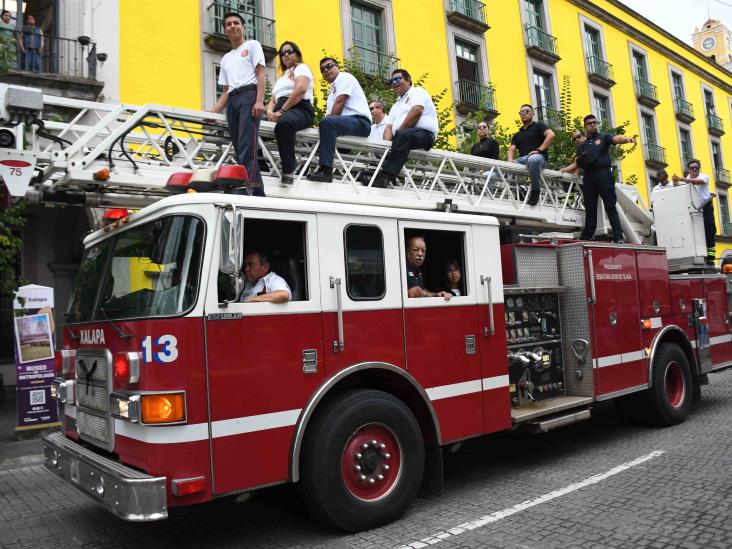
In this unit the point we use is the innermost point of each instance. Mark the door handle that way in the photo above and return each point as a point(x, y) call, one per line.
point(339, 345)
point(489, 330)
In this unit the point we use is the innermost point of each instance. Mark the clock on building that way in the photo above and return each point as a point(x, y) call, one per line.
point(708, 43)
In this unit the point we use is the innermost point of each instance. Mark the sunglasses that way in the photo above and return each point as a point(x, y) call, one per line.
point(482, 127)
point(373, 108)
point(395, 80)
point(285, 53)
point(591, 123)
point(695, 168)
point(327, 67)
point(524, 111)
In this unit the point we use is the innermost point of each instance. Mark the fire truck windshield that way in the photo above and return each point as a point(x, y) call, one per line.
point(148, 271)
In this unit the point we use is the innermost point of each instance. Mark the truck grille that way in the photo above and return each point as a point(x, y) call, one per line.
point(93, 385)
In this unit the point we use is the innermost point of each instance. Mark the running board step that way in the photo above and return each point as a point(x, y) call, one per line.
point(556, 422)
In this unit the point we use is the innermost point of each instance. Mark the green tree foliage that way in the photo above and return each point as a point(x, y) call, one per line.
point(10, 245)
point(7, 53)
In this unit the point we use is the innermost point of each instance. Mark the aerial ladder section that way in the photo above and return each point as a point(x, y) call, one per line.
point(141, 146)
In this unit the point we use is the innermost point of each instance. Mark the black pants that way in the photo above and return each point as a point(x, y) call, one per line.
point(404, 141)
point(710, 229)
point(244, 131)
point(600, 183)
point(295, 119)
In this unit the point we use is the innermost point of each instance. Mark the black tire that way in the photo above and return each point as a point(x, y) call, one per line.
point(336, 437)
point(669, 399)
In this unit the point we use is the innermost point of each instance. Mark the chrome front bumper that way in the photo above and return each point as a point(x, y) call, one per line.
point(124, 491)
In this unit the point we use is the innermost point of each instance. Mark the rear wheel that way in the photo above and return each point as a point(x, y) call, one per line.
point(362, 460)
point(669, 399)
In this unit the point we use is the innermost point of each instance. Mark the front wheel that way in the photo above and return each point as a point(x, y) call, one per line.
point(669, 399)
point(362, 460)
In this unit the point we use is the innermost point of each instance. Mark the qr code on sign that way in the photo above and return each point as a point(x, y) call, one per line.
point(37, 397)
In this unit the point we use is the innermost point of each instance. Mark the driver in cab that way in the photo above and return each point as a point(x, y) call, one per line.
point(416, 251)
point(263, 284)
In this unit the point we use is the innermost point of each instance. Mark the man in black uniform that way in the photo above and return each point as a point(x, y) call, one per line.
point(593, 157)
point(416, 250)
point(532, 141)
point(487, 147)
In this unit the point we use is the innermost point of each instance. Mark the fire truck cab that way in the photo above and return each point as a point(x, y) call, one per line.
point(174, 392)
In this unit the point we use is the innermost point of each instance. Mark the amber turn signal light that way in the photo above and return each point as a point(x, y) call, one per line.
point(163, 408)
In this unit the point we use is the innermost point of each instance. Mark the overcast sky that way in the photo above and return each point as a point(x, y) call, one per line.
point(679, 17)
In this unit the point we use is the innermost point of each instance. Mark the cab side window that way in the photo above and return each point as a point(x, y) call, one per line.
point(365, 272)
point(436, 260)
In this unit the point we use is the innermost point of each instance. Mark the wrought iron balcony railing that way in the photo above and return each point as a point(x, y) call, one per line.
point(473, 94)
point(601, 68)
point(374, 62)
point(61, 56)
point(537, 38)
point(469, 8)
point(550, 116)
point(715, 124)
point(684, 109)
point(655, 153)
point(646, 90)
point(722, 176)
point(256, 27)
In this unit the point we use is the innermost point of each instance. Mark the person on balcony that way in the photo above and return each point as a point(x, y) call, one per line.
point(487, 147)
point(347, 113)
point(8, 33)
point(593, 157)
point(379, 120)
point(532, 142)
point(31, 44)
point(412, 125)
point(242, 76)
point(291, 105)
point(704, 201)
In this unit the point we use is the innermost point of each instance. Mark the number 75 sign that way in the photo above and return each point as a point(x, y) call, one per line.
point(16, 169)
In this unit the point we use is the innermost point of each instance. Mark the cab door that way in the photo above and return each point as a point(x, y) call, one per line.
point(442, 337)
point(264, 360)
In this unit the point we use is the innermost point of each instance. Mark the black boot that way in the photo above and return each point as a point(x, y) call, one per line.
point(533, 197)
point(382, 180)
point(324, 174)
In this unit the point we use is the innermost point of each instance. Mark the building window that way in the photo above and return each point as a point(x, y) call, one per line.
point(678, 85)
point(726, 228)
point(709, 102)
point(655, 155)
point(218, 88)
point(649, 129)
point(717, 156)
point(545, 101)
point(639, 66)
point(686, 151)
point(368, 39)
point(594, 46)
point(535, 11)
point(365, 272)
point(602, 108)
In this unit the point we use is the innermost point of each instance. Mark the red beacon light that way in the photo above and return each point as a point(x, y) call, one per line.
point(178, 182)
point(232, 176)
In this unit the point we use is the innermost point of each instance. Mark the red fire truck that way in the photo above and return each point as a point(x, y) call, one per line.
point(174, 392)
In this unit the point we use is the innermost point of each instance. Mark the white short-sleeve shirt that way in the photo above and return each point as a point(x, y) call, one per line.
point(238, 67)
point(271, 282)
point(702, 191)
point(356, 104)
point(377, 130)
point(415, 95)
point(286, 83)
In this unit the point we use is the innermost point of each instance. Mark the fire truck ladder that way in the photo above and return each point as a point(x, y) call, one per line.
point(143, 145)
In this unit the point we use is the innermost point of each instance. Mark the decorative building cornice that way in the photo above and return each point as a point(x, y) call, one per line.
point(678, 59)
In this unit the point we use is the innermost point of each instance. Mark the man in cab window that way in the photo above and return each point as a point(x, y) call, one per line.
point(416, 251)
point(263, 284)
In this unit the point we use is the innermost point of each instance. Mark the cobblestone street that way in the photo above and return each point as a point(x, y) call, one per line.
point(678, 495)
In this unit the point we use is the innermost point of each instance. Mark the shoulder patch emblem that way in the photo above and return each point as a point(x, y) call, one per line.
point(598, 142)
point(244, 52)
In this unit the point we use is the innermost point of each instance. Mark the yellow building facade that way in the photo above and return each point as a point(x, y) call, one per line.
point(493, 55)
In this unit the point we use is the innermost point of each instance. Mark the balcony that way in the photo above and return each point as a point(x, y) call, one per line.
point(715, 125)
point(551, 117)
point(469, 14)
point(726, 229)
point(541, 45)
point(655, 156)
point(600, 72)
point(256, 27)
point(373, 62)
point(66, 67)
point(684, 110)
point(721, 176)
point(646, 93)
point(471, 96)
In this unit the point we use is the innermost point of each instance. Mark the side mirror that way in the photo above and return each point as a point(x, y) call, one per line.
point(232, 249)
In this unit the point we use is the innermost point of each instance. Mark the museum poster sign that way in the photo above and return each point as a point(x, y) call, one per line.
point(34, 356)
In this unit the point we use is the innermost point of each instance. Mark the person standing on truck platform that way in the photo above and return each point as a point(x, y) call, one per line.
point(242, 76)
point(704, 198)
point(593, 157)
point(416, 251)
point(412, 125)
point(347, 113)
point(262, 283)
point(532, 142)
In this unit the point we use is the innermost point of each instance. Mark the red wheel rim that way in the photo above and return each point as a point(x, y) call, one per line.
point(675, 386)
point(372, 462)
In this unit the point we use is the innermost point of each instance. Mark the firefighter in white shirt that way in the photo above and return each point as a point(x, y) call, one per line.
point(379, 120)
point(263, 284)
point(412, 125)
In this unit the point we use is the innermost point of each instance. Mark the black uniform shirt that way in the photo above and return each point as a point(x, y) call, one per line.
point(414, 277)
point(530, 139)
point(486, 147)
point(594, 153)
